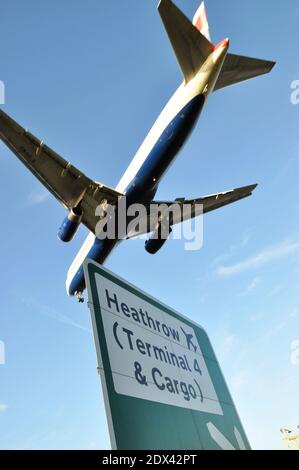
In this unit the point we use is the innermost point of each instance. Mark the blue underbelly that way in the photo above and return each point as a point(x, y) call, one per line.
point(99, 252)
point(164, 151)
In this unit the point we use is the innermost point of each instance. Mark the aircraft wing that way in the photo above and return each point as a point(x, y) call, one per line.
point(198, 206)
point(62, 179)
point(237, 69)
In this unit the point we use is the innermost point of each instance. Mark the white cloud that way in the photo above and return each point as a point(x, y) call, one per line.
point(258, 316)
point(275, 291)
point(240, 380)
point(49, 312)
point(269, 254)
point(226, 344)
point(295, 313)
point(3, 407)
point(272, 332)
point(233, 249)
point(251, 286)
point(37, 197)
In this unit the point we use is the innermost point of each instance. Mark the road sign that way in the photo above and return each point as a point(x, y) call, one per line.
point(162, 384)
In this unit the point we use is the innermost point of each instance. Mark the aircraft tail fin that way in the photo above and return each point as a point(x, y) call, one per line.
point(191, 46)
point(201, 22)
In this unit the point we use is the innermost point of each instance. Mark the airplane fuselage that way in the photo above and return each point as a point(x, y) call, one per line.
point(159, 149)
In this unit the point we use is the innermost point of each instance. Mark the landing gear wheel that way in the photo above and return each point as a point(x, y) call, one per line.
point(79, 297)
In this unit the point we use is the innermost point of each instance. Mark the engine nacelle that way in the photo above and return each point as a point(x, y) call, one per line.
point(155, 242)
point(70, 225)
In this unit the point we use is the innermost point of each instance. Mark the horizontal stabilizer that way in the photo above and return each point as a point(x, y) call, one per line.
point(190, 46)
point(198, 206)
point(237, 69)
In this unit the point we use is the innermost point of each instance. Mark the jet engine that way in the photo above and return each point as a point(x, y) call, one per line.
point(70, 225)
point(156, 240)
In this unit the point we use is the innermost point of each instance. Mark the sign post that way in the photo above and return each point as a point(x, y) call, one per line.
point(162, 384)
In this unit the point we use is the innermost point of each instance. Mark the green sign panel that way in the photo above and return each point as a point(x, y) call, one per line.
point(162, 384)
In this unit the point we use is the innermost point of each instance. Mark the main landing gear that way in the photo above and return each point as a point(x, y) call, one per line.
point(79, 297)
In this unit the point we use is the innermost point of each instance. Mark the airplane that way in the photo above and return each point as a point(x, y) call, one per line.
point(189, 341)
point(206, 68)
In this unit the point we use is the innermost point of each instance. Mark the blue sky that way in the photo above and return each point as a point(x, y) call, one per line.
point(89, 78)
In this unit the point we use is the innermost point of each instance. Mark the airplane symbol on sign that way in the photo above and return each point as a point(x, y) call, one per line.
point(189, 341)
